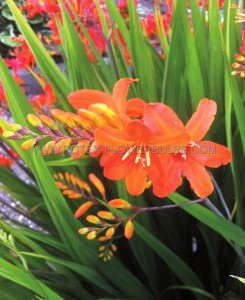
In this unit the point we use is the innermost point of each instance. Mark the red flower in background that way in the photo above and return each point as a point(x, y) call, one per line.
point(43, 103)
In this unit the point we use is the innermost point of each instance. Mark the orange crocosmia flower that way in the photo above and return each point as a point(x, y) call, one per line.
point(116, 103)
point(133, 153)
point(189, 161)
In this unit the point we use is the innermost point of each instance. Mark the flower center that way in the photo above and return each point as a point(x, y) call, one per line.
point(141, 151)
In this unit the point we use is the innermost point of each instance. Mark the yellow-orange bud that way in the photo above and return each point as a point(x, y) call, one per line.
point(12, 135)
point(239, 57)
point(83, 230)
point(96, 119)
point(67, 176)
point(67, 192)
point(34, 120)
point(62, 145)
point(93, 219)
point(48, 122)
point(113, 247)
point(101, 248)
point(60, 185)
point(15, 127)
point(79, 121)
point(107, 113)
point(110, 232)
point(235, 65)
point(48, 148)
point(80, 149)
point(63, 118)
point(83, 185)
point(75, 195)
point(97, 183)
point(102, 239)
point(107, 215)
point(91, 235)
point(83, 208)
point(120, 203)
point(129, 230)
point(28, 144)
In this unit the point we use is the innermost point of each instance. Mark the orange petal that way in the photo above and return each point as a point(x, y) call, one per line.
point(137, 131)
point(162, 119)
point(135, 107)
point(83, 98)
point(116, 168)
point(211, 154)
point(198, 177)
point(201, 120)
point(136, 179)
point(169, 180)
point(120, 92)
point(171, 143)
point(111, 138)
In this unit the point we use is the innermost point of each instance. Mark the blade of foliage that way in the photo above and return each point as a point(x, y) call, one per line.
point(26, 279)
point(81, 72)
point(193, 290)
point(87, 273)
point(216, 61)
point(146, 72)
point(162, 35)
point(223, 226)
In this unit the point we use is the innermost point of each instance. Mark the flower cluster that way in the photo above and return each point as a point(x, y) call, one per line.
point(139, 142)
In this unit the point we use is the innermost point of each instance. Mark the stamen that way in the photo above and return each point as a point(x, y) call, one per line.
point(130, 150)
point(138, 155)
point(148, 160)
point(142, 160)
point(183, 152)
point(192, 144)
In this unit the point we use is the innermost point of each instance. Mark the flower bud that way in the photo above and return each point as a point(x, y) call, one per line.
point(110, 232)
point(93, 219)
point(120, 203)
point(91, 235)
point(29, 144)
point(107, 215)
point(83, 230)
point(12, 135)
point(48, 122)
point(98, 184)
point(80, 149)
point(83, 209)
point(129, 230)
point(62, 145)
point(48, 148)
point(34, 120)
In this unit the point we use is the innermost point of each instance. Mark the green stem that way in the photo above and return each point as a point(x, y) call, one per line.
point(221, 197)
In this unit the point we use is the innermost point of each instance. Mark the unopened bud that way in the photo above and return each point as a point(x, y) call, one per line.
point(83, 209)
point(34, 120)
point(29, 144)
point(129, 230)
point(97, 183)
point(120, 203)
point(93, 219)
